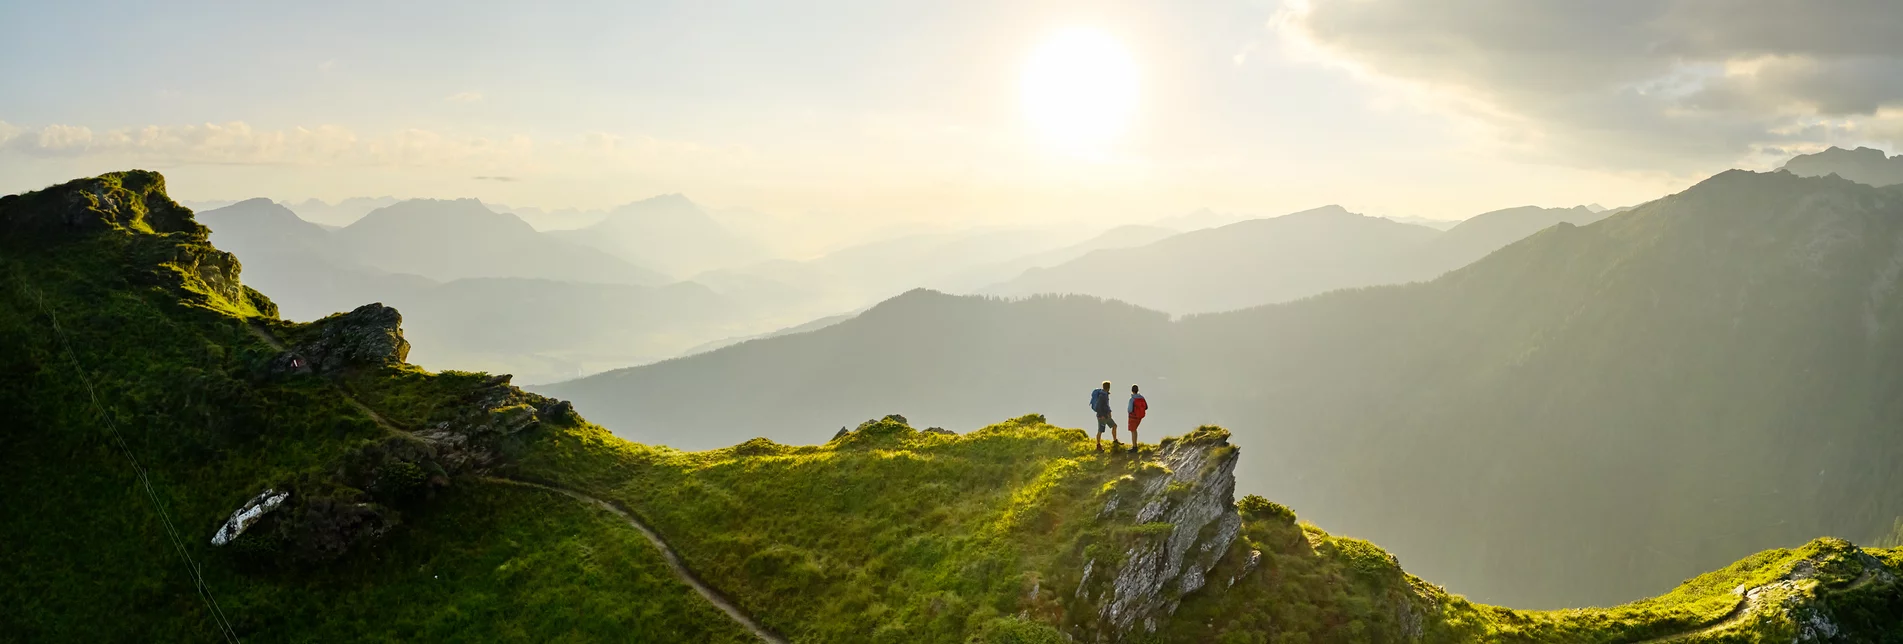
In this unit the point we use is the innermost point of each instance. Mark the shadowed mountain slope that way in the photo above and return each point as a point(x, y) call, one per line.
point(1670, 388)
point(1266, 261)
point(1862, 165)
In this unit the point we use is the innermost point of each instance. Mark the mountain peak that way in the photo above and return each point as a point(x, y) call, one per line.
point(133, 199)
point(671, 205)
point(438, 210)
point(1330, 210)
point(1863, 165)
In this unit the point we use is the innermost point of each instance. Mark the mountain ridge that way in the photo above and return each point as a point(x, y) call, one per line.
point(1018, 531)
point(1544, 360)
point(1284, 258)
point(1863, 165)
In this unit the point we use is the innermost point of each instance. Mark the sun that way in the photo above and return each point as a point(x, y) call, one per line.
point(1080, 91)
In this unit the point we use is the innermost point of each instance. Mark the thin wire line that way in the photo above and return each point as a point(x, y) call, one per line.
point(145, 480)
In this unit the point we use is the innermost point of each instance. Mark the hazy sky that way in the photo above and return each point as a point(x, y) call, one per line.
point(913, 110)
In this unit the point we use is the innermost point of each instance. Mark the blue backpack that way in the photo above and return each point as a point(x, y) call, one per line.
point(1099, 400)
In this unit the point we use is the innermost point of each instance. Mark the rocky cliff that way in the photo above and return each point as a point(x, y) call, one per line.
point(1178, 518)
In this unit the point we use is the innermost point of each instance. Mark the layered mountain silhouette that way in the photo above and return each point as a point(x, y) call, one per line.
point(342, 213)
point(859, 276)
point(669, 233)
point(453, 239)
point(1264, 261)
point(184, 465)
point(548, 309)
point(1862, 165)
point(1584, 416)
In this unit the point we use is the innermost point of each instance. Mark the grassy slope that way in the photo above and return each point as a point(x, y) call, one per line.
point(896, 535)
point(87, 557)
point(888, 534)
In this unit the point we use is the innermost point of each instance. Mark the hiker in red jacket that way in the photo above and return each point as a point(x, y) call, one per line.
point(1138, 409)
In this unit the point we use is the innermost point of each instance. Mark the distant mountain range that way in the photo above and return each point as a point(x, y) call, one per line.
point(859, 276)
point(1862, 165)
point(455, 239)
point(326, 489)
point(670, 233)
point(1264, 261)
point(1732, 352)
point(483, 288)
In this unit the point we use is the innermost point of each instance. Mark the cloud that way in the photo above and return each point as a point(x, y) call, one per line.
point(1666, 84)
point(1242, 55)
point(464, 97)
point(483, 158)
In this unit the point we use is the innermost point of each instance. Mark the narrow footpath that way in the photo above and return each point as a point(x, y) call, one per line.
point(1748, 606)
point(672, 558)
point(668, 555)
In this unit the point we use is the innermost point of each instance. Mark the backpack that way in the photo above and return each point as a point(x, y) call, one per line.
point(1099, 400)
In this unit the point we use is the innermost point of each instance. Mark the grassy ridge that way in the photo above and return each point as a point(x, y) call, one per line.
point(88, 559)
point(885, 534)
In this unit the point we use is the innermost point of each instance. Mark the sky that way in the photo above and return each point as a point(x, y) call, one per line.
point(874, 112)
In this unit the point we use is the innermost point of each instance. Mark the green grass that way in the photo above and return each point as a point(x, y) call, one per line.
point(888, 534)
point(885, 535)
point(87, 556)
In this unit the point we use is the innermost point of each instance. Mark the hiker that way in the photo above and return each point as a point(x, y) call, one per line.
point(1138, 409)
point(1100, 403)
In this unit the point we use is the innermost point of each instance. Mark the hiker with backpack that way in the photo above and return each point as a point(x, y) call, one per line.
point(1100, 403)
point(1138, 409)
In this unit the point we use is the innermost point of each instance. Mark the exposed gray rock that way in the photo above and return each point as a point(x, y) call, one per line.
point(1195, 496)
point(1255, 559)
point(940, 431)
point(371, 335)
point(248, 514)
point(469, 436)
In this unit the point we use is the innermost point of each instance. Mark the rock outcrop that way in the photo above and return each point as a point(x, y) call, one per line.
point(370, 336)
point(1801, 597)
point(248, 514)
point(1179, 520)
point(169, 238)
point(472, 432)
point(134, 199)
point(472, 436)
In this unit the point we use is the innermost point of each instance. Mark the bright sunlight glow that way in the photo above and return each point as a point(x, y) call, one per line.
point(1080, 91)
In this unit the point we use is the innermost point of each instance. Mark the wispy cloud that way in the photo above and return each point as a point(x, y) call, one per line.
point(483, 158)
point(464, 97)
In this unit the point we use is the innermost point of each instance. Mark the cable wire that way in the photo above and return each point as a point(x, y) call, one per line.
point(145, 479)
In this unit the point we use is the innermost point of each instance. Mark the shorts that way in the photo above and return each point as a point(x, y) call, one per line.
point(1104, 420)
point(1134, 421)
